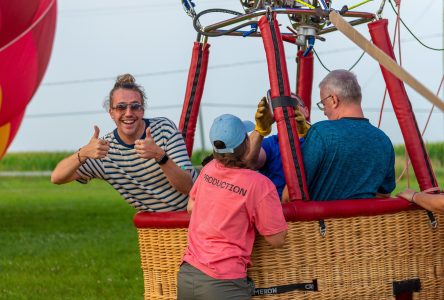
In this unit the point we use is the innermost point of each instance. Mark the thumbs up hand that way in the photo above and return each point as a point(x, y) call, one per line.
point(148, 148)
point(96, 148)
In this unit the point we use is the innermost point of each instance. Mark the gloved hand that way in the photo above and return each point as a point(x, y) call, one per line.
point(263, 118)
point(301, 124)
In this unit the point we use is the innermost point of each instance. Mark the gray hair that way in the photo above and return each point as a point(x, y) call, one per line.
point(344, 84)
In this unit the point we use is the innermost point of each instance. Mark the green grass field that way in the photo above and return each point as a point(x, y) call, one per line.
point(66, 242)
point(78, 241)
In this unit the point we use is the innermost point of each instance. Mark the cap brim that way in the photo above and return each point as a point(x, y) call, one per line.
point(249, 126)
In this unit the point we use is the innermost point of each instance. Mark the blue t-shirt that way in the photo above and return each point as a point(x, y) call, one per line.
point(348, 159)
point(273, 165)
point(343, 159)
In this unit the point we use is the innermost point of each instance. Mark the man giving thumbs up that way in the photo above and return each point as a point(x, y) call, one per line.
point(145, 160)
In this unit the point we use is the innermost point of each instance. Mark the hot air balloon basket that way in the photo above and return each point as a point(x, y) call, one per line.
point(371, 257)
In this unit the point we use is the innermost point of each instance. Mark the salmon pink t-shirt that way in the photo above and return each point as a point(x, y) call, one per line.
point(230, 205)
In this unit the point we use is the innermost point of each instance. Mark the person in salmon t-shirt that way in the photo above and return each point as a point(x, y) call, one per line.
point(228, 204)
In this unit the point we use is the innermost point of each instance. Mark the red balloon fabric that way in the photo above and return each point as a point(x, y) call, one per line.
point(27, 29)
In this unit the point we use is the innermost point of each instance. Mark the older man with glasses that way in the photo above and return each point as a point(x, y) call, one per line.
point(145, 160)
point(345, 157)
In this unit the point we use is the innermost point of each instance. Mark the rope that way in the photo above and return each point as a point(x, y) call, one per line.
point(351, 68)
point(422, 133)
point(359, 4)
point(408, 29)
point(320, 61)
point(359, 59)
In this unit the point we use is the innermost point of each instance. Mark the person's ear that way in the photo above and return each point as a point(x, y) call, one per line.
point(335, 101)
point(110, 113)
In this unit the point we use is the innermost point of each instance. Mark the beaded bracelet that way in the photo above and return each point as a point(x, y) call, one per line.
point(78, 157)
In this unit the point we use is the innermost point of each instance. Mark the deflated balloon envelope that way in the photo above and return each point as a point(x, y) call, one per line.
point(27, 29)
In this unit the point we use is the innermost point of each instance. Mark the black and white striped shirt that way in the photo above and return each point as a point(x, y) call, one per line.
point(140, 181)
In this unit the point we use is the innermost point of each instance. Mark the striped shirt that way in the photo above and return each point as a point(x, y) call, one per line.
point(142, 182)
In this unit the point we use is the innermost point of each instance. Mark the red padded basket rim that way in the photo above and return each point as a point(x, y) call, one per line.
point(293, 211)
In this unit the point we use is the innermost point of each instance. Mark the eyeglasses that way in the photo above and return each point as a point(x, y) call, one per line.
point(321, 104)
point(133, 106)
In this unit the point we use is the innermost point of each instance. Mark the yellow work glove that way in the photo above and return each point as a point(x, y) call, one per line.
point(263, 118)
point(301, 124)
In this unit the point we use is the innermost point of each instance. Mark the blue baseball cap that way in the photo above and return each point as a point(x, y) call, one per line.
point(230, 130)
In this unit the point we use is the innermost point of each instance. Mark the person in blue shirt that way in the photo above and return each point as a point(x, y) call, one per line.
point(265, 155)
point(345, 157)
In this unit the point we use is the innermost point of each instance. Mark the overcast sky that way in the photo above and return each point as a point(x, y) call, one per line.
point(98, 39)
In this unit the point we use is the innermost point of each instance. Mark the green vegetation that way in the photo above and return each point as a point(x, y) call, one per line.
point(198, 156)
point(435, 151)
point(31, 161)
point(66, 242)
point(46, 161)
point(78, 241)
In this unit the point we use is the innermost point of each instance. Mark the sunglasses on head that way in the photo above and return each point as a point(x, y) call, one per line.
point(132, 106)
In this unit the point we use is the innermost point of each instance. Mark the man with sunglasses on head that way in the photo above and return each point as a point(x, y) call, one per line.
point(345, 157)
point(145, 160)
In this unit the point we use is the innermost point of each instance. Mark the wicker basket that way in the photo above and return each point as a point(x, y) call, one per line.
point(359, 258)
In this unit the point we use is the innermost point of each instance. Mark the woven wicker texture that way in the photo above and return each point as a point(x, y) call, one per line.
point(359, 258)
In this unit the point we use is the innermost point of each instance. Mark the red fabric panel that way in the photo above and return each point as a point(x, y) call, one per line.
point(18, 78)
point(279, 85)
point(20, 14)
point(193, 93)
point(403, 111)
point(293, 211)
point(26, 38)
point(14, 127)
point(305, 79)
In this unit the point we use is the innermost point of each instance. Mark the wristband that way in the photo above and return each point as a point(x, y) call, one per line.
point(163, 159)
point(78, 156)
point(413, 197)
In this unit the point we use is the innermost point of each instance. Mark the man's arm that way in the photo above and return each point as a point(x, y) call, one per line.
point(65, 171)
point(180, 179)
point(256, 157)
point(432, 202)
point(264, 119)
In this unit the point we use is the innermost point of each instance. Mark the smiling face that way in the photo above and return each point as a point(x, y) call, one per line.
point(127, 116)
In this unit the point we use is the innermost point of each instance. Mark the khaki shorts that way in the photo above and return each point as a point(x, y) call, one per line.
point(193, 284)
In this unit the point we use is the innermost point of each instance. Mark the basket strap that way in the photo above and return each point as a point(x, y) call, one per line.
point(307, 287)
point(404, 289)
point(322, 228)
point(432, 220)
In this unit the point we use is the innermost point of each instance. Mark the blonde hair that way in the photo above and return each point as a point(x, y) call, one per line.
point(128, 82)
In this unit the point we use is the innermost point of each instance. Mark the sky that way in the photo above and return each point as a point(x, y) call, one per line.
point(96, 40)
